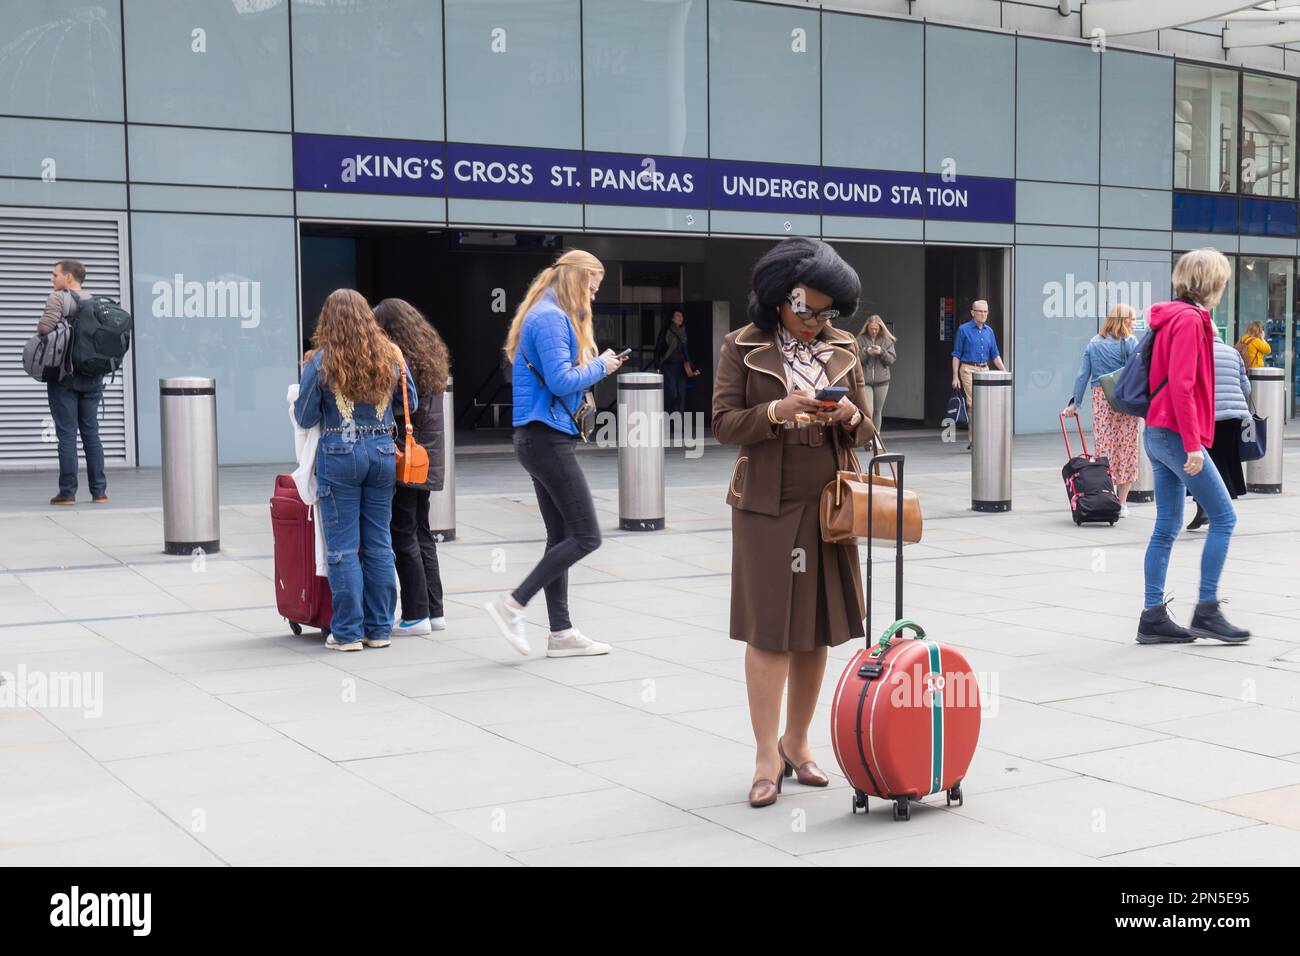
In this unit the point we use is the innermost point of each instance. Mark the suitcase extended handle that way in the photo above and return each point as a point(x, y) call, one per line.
point(1078, 421)
point(873, 668)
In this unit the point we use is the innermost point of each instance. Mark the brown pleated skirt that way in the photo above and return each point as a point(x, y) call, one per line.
point(790, 591)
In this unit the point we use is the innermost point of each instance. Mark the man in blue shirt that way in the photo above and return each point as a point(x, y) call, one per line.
point(974, 348)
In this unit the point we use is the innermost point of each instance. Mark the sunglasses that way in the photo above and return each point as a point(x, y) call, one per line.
point(803, 314)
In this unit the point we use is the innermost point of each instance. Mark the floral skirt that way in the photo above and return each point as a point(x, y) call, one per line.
point(1116, 437)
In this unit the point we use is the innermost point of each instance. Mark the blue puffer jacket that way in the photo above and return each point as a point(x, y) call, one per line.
point(1231, 386)
point(548, 341)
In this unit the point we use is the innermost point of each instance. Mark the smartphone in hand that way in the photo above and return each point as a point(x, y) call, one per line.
point(623, 354)
point(830, 395)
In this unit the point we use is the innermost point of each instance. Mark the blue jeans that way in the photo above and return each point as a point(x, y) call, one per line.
point(355, 482)
point(1165, 449)
point(75, 410)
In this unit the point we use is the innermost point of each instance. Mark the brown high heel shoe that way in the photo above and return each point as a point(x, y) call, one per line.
point(807, 773)
point(763, 792)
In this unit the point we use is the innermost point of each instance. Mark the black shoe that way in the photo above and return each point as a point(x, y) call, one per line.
point(1200, 520)
point(1208, 621)
point(1155, 626)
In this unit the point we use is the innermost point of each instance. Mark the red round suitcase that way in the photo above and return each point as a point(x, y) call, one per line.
point(905, 720)
point(905, 717)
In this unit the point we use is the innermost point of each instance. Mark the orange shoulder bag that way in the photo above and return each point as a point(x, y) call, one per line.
point(412, 459)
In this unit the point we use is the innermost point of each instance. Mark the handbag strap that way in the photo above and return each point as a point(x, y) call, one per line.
point(406, 408)
point(555, 398)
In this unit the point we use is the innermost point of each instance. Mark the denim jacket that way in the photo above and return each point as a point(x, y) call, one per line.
point(318, 405)
point(1102, 356)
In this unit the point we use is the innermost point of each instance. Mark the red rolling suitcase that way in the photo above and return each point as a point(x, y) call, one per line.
point(301, 596)
point(906, 713)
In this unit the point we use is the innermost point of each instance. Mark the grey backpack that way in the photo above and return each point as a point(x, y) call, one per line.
point(47, 358)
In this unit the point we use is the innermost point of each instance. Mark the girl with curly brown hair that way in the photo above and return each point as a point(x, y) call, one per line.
point(414, 547)
point(347, 387)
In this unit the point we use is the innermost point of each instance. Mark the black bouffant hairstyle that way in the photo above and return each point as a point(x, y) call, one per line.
point(800, 260)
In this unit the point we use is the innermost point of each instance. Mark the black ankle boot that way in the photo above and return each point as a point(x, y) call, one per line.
point(1208, 621)
point(1155, 626)
point(1200, 520)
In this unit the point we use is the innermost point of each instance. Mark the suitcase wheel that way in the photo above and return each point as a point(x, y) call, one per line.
point(902, 809)
point(295, 627)
point(956, 794)
point(859, 801)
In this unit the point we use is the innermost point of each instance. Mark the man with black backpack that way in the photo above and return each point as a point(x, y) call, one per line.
point(74, 399)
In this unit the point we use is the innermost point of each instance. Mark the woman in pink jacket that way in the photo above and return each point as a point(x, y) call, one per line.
point(1180, 426)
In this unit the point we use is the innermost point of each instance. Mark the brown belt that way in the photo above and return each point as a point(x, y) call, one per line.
point(814, 435)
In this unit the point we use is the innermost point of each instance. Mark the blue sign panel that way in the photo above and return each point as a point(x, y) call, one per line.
point(477, 171)
point(1205, 212)
point(1268, 217)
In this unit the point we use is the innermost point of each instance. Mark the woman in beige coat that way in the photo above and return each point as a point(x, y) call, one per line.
point(792, 595)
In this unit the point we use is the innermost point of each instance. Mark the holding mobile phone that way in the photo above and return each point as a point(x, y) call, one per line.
point(623, 354)
point(830, 395)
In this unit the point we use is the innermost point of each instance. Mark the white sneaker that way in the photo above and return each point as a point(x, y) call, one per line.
point(376, 641)
point(573, 643)
point(413, 628)
point(1123, 511)
point(334, 645)
point(513, 624)
point(437, 624)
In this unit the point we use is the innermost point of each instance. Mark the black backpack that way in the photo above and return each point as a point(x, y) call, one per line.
point(101, 335)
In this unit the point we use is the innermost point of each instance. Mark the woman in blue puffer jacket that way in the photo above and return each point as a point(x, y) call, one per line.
point(1231, 412)
point(553, 350)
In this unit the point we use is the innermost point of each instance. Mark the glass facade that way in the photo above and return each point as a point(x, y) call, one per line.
point(205, 109)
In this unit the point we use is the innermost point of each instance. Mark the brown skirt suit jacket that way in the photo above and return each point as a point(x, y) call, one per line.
point(790, 591)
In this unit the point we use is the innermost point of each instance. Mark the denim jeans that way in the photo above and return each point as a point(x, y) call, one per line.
point(355, 482)
point(1165, 449)
point(75, 410)
point(572, 531)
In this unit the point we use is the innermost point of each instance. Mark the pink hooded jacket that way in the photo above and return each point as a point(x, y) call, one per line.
point(1183, 353)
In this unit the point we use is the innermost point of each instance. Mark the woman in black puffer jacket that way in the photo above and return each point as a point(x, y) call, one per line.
point(414, 547)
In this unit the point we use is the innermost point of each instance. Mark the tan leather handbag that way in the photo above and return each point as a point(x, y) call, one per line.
point(412, 459)
point(847, 502)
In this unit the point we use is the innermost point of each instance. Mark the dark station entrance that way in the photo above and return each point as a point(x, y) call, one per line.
point(469, 282)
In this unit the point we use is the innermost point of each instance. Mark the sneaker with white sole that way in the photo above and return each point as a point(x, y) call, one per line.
point(1123, 511)
point(437, 624)
point(336, 645)
point(414, 628)
point(513, 623)
point(376, 641)
point(573, 643)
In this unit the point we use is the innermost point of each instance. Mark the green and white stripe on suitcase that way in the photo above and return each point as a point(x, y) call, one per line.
point(936, 717)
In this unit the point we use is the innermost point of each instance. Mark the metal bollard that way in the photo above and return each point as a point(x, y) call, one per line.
point(442, 504)
point(641, 451)
point(1268, 395)
point(187, 410)
point(990, 469)
point(1144, 489)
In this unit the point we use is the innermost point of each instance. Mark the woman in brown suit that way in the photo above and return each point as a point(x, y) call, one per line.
point(792, 595)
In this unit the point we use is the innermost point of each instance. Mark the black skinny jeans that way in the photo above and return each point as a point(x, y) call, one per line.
point(416, 554)
point(572, 531)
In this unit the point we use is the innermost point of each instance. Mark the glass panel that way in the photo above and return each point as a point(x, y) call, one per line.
point(368, 68)
point(1205, 128)
point(83, 39)
point(646, 77)
point(209, 64)
point(1268, 136)
point(1267, 297)
point(1135, 99)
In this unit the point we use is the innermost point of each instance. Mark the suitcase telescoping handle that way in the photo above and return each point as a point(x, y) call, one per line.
point(1069, 452)
point(893, 459)
point(875, 665)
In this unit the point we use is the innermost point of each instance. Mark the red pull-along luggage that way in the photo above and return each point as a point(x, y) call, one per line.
point(301, 596)
point(906, 713)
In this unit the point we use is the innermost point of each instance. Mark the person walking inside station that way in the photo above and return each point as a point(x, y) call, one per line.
point(1254, 345)
point(414, 548)
point(1231, 412)
point(792, 595)
point(1180, 423)
point(551, 345)
point(974, 347)
point(74, 401)
point(348, 381)
point(878, 351)
point(1115, 435)
point(674, 362)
